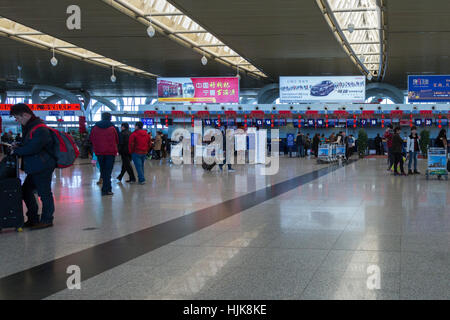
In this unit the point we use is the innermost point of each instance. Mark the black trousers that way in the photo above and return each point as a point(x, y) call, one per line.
point(126, 167)
point(398, 159)
point(42, 183)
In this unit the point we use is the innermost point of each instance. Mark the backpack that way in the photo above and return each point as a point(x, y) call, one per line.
point(65, 151)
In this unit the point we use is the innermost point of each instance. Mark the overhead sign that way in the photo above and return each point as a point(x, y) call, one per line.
point(324, 89)
point(199, 90)
point(45, 107)
point(429, 88)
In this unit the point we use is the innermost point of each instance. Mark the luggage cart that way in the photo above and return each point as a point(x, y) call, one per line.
point(437, 163)
point(334, 157)
point(340, 150)
point(325, 153)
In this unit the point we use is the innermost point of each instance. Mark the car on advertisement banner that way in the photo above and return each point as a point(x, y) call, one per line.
point(322, 89)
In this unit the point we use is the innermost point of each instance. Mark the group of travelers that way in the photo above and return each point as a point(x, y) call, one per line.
point(8, 138)
point(108, 141)
point(304, 143)
point(397, 150)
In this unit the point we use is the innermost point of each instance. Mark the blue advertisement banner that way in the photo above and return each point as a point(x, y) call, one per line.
point(290, 140)
point(429, 88)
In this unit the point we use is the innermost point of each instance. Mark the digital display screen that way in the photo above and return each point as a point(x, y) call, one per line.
point(418, 122)
point(349, 122)
point(373, 122)
point(428, 122)
point(332, 122)
point(320, 122)
point(216, 122)
point(280, 122)
point(259, 122)
point(363, 122)
point(231, 122)
point(148, 121)
point(162, 121)
point(207, 122)
point(267, 122)
point(311, 122)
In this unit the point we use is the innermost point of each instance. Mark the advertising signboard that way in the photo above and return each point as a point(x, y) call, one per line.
point(429, 88)
point(199, 90)
point(290, 140)
point(46, 107)
point(323, 89)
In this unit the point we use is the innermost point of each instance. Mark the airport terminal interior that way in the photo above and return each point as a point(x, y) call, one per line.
point(278, 150)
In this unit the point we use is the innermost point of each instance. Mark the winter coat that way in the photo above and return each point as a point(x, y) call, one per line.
point(36, 150)
point(139, 142)
point(124, 139)
point(410, 144)
point(397, 144)
point(105, 138)
point(158, 142)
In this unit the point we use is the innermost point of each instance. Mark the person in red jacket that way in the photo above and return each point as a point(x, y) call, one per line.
point(105, 138)
point(388, 136)
point(139, 145)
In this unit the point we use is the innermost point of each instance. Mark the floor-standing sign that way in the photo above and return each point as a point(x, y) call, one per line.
point(241, 147)
point(261, 142)
point(290, 142)
point(198, 137)
point(252, 136)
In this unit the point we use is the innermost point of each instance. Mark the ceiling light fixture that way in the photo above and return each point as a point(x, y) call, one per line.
point(351, 27)
point(19, 78)
point(150, 30)
point(369, 76)
point(204, 60)
point(53, 60)
point(113, 77)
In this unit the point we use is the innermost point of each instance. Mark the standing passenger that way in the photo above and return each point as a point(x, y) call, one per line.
point(397, 146)
point(139, 145)
point(125, 154)
point(105, 138)
point(38, 164)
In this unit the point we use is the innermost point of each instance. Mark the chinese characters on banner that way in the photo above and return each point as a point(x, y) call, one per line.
point(46, 107)
point(429, 88)
point(199, 90)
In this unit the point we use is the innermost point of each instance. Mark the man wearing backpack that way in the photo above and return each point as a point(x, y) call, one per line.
point(38, 164)
point(105, 138)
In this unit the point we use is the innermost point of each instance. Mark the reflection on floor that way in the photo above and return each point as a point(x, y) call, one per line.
point(327, 239)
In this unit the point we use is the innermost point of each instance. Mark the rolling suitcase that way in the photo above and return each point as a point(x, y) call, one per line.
point(11, 209)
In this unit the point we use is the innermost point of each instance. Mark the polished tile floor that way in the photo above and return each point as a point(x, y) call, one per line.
point(316, 241)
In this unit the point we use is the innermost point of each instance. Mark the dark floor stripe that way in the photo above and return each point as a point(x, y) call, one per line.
point(48, 278)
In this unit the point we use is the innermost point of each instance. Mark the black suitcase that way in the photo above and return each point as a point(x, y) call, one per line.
point(11, 208)
point(8, 167)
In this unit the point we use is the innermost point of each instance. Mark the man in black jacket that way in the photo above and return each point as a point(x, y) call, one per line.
point(38, 163)
point(124, 152)
point(299, 141)
point(397, 146)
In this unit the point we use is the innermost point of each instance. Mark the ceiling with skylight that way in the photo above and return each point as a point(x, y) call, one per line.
point(176, 25)
point(360, 28)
